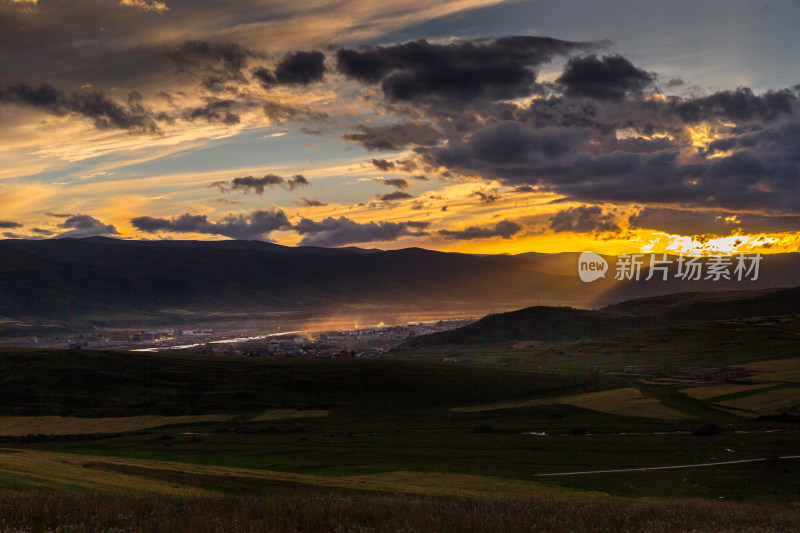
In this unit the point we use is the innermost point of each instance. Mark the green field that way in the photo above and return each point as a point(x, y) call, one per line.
point(178, 426)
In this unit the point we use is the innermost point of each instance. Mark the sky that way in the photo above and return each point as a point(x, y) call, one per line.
point(475, 126)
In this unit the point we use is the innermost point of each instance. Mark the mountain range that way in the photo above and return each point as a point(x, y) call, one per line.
point(100, 278)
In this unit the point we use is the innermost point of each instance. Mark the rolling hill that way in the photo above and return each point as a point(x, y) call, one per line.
point(558, 324)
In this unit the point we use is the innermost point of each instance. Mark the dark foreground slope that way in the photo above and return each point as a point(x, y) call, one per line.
point(305, 510)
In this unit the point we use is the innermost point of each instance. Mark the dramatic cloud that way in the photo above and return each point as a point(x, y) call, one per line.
point(146, 5)
point(606, 78)
point(395, 136)
point(383, 164)
point(259, 185)
point(79, 226)
point(505, 229)
point(509, 148)
point(255, 225)
point(339, 231)
point(9, 224)
point(310, 202)
point(301, 68)
point(729, 150)
point(583, 219)
point(215, 111)
point(394, 196)
point(90, 104)
point(219, 62)
point(687, 222)
point(397, 183)
point(500, 126)
point(486, 197)
point(296, 68)
point(460, 71)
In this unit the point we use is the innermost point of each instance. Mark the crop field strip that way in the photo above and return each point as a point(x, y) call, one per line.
point(715, 391)
point(627, 401)
point(52, 470)
point(59, 425)
point(766, 402)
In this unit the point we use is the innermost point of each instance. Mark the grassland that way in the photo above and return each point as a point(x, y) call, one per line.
point(754, 342)
point(295, 511)
point(387, 433)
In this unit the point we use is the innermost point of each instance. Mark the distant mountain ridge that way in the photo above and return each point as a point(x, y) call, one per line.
point(104, 277)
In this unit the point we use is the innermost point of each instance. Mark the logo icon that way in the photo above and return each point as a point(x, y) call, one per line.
point(591, 267)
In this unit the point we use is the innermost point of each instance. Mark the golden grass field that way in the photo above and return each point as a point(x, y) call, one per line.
point(766, 402)
point(284, 414)
point(26, 469)
point(627, 401)
point(704, 393)
point(776, 370)
point(60, 425)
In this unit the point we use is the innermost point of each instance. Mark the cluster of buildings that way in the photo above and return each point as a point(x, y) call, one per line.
point(249, 339)
point(361, 342)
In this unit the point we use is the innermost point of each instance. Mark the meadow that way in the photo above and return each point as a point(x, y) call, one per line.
point(393, 444)
point(312, 511)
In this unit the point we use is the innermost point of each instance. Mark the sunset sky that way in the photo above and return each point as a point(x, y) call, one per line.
point(457, 125)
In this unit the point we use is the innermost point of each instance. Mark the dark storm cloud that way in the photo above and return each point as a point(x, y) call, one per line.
point(395, 136)
point(686, 222)
point(397, 183)
point(91, 104)
point(394, 196)
point(461, 71)
point(265, 77)
point(383, 164)
point(607, 78)
point(505, 229)
point(486, 197)
point(247, 184)
point(511, 145)
point(219, 62)
point(215, 111)
point(255, 225)
point(9, 224)
point(298, 180)
point(278, 113)
point(642, 145)
point(571, 147)
point(738, 105)
point(339, 231)
point(301, 68)
point(79, 226)
point(583, 219)
point(296, 68)
point(310, 202)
